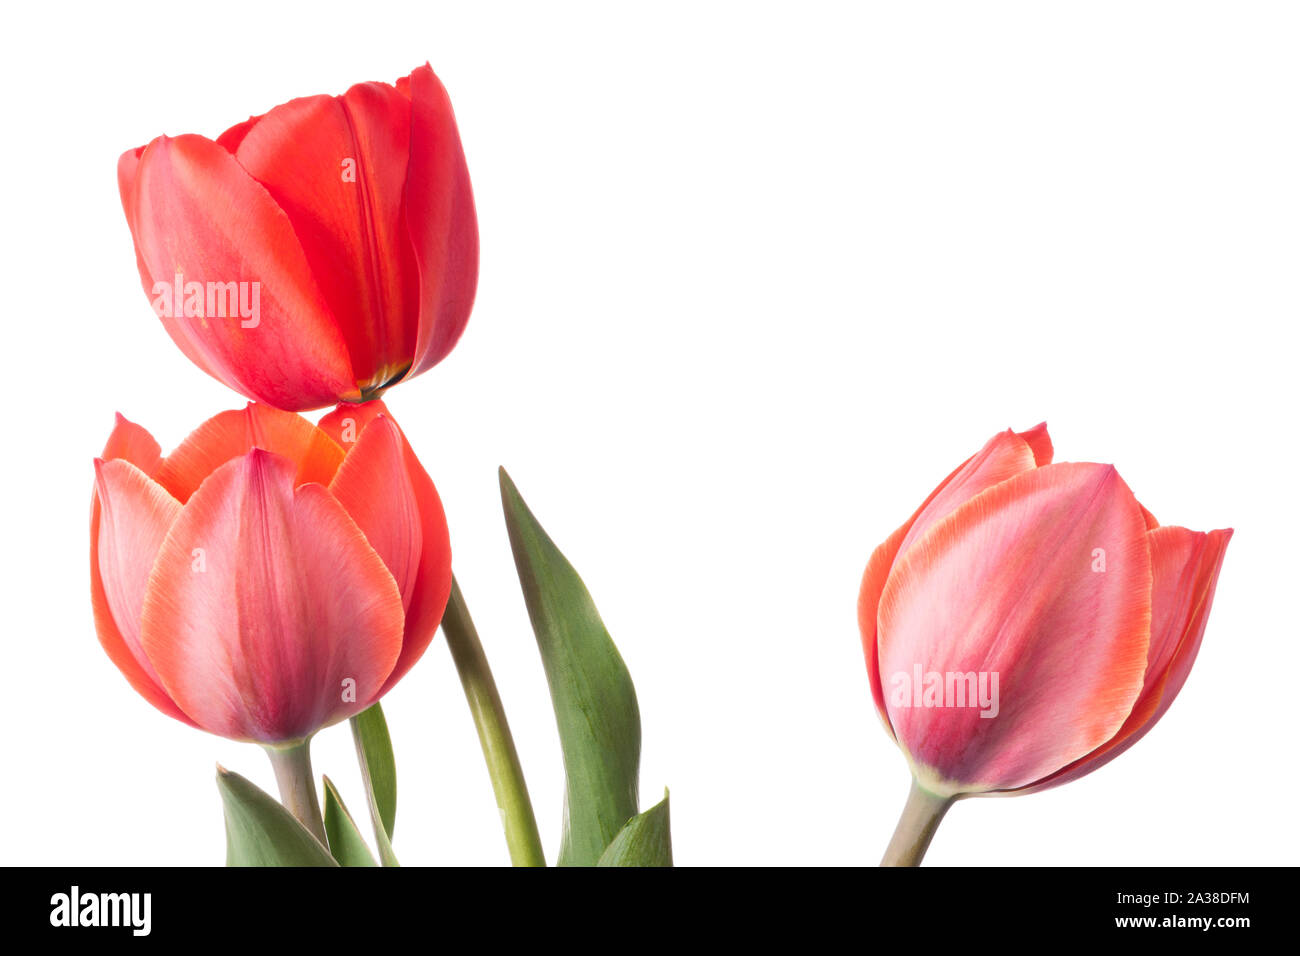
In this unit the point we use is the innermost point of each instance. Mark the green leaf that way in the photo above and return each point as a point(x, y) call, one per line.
point(645, 841)
point(386, 855)
point(260, 832)
point(591, 690)
point(379, 773)
point(346, 842)
point(375, 753)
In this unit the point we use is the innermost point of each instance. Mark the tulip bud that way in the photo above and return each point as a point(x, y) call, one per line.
point(1030, 622)
point(269, 577)
point(319, 253)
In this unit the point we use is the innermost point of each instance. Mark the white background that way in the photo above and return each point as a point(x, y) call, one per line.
point(754, 279)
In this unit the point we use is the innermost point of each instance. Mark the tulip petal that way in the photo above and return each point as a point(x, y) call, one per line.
point(345, 423)
point(291, 605)
point(234, 433)
point(1040, 443)
point(1184, 618)
point(1184, 569)
point(337, 167)
point(1004, 455)
point(231, 138)
point(196, 213)
point(133, 443)
point(130, 519)
point(432, 587)
point(128, 166)
point(372, 486)
point(433, 584)
point(1010, 584)
point(440, 217)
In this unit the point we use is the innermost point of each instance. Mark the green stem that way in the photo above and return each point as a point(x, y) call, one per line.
point(493, 733)
point(916, 827)
point(297, 785)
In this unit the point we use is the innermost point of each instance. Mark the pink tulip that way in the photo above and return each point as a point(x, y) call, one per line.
point(1030, 622)
point(269, 577)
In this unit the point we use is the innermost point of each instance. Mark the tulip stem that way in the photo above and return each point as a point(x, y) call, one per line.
point(503, 765)
point(297, 786)
point(916, 827)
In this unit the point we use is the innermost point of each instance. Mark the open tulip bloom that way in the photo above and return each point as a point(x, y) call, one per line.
point(316, 254)
point(1029, 623)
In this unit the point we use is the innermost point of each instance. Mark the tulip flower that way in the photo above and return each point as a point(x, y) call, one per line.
point(1028, 624)
point(269, 577)
point(319, 253)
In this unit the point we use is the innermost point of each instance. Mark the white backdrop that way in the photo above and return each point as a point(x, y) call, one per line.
point(754, 278)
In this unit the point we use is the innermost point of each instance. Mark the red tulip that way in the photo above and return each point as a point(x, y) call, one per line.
point(1048, 585)
point(269, 577)
point(316, 254)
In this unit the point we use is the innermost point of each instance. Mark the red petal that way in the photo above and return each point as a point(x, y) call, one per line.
point(235, 433)
point(1040, 443)
point(433, 582)
point(345, 423)
point(373, 487)
point(432, 586)
point(231, 138)
point(130, 442)
point(440, 217)
point(195, 212)
point(351, 230)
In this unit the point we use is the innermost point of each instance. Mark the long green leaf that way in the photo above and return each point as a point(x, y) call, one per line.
point(591, 690)
point(260, 832)
point(645, 841)
point(379, 773)
point(378, 769)
point(346, 843)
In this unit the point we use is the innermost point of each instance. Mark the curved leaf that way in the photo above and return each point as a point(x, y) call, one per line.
point(346, 842)
point(645, 841)
point(591, 690)
point(379, 773)
point(378, 769)
point(260, 832)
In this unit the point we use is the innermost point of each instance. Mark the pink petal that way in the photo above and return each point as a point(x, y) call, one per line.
point(1185, 569)
point(1009, 584)
point(1004, 455)
point(291, 603)
point(130, 518)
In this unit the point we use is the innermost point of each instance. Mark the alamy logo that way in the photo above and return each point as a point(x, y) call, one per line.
point(102, 909)
point(923, 688)
point(213, 300)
